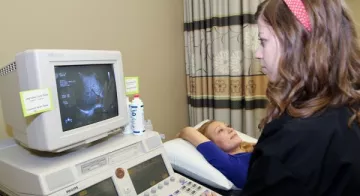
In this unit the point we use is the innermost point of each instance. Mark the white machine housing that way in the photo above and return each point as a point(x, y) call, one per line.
point(34, 69)
point(123, 165)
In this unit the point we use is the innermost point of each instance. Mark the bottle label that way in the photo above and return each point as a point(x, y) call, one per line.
point(137, 119)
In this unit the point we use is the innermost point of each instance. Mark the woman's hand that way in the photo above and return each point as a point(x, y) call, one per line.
point(192, 135)
point(185, 132)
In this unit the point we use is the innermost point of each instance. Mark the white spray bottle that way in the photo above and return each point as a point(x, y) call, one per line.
point(137, 116)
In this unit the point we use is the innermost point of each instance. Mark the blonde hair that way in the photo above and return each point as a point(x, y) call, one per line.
point(246, 146)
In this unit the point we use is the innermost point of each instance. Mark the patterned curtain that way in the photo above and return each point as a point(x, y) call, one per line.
point(224, 79)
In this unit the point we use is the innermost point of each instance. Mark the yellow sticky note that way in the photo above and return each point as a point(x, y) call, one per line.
point(36, 101)
point(131, 85)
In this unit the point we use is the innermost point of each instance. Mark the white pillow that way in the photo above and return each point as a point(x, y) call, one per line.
point(185, 158)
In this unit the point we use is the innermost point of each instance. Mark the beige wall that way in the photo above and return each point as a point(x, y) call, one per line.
point(148, 33)
point(354, 6)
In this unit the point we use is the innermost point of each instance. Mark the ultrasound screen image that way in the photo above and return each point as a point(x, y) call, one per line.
point(87, 94)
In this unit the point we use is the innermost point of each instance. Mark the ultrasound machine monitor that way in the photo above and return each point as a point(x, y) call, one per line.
point(87, 94)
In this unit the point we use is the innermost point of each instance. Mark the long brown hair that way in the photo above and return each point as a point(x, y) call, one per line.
point(317, 69)
point(245, 146)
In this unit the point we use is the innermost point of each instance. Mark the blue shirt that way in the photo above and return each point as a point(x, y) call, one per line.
point(233, 167)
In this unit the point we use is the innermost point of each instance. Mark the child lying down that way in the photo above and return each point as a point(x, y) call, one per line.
point(222, 148)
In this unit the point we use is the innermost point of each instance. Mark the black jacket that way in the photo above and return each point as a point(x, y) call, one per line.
point(317, 156)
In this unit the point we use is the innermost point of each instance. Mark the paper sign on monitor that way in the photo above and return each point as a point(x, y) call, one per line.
point(132, 85)
point(36, 101)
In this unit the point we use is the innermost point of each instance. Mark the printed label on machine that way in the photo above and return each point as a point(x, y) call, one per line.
point(131, 85)
point(35, 101)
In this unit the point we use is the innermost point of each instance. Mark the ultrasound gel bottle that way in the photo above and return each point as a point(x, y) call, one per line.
point(128, 128)
point(137, 116)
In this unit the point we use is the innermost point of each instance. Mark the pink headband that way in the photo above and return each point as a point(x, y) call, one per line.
point(297, 7)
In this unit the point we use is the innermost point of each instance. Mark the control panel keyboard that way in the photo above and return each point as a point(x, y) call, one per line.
point(176, 185)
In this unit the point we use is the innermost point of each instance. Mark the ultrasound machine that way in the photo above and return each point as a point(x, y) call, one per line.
point(77, 148)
